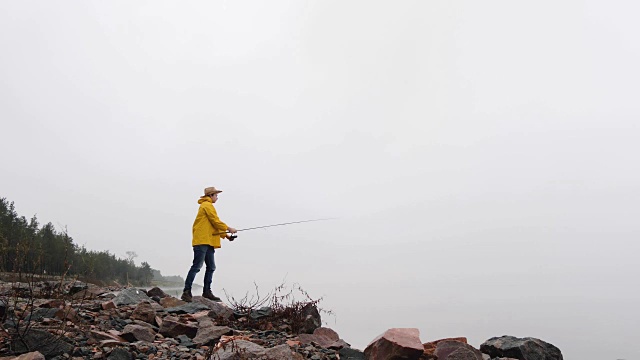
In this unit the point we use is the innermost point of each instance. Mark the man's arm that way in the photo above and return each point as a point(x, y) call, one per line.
point(212, 215)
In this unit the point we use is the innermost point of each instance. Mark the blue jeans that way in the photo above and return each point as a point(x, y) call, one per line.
point(201, 254)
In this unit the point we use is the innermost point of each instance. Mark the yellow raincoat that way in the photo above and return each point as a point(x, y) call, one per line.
point(207, 224)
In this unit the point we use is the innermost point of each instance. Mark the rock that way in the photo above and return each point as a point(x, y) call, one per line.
point(327, 332)
point(87, 294)
point(208, 331)
point(339, 344)
point(3, 311)
point(430, 347)
point(108, 336)
point(170, 302)
point(54, 303)
point(263, 312)
point(130, 296)
point(187, 308)
point(281, 352)
point(156, 291)
point(38, 314)
point(218, 309)
point(456, 350)
point(77, 287)
point(185, 341)
point(322, 336)
point(120, 354)
point(111, 343)
point(240, 350)
point(312, 319)
point(67, 313)
point(108, 305)
point(172, 327)
point(39, 340)
point(144, 312)
point(35, 355)
point(133, 333)
point(520, 348)
point(351, 354)
point(400, 343)
point(145, 324)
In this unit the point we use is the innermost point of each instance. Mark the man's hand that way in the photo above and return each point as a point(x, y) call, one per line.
point(232, 230)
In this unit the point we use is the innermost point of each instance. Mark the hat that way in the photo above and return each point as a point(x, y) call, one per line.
point(211, 190)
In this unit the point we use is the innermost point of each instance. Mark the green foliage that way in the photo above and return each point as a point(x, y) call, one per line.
point(27, 248)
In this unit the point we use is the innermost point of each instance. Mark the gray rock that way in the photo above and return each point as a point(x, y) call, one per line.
point(40, 313)
point(351, 354)
point(520, 348)
point(188, 308)
point(44, 342)
point(208, 331)
point(185, 341)
point(281, 352)
point(312, 319)
point(263, 312)
point(120, 354)
point(131, 296)
point(77, 287)
point(218, 309)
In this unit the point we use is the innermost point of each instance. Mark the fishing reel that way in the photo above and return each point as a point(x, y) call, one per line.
point(232, 237)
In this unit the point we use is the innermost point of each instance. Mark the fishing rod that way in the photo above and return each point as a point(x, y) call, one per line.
point(234, 236)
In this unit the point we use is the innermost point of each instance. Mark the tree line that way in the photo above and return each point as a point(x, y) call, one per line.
point(28, 248)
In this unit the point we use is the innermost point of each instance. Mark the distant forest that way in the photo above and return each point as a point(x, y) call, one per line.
point(28, 248)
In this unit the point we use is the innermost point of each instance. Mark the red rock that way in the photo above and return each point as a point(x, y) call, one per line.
point(68, 313)
point(324, 337)
point(326, 332)
point(108, 305)
point(172, 327)
point(133, 333)
point(293, 343)
point(430, 347)
point(456, 350)
point(397, 343)
point(144, 312)
point(170, 301)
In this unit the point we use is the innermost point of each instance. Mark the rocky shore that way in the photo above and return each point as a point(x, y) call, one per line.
point(72, 320)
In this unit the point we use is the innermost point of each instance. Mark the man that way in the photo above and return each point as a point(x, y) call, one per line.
point(207, 231)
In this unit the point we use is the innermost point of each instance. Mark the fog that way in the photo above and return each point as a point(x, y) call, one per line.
point(479, 158)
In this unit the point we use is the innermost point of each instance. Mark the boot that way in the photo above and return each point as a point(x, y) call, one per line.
point(207, 294)
point(186, 296)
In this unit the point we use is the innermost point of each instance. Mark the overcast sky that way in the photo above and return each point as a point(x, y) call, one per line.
point(481, 157)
